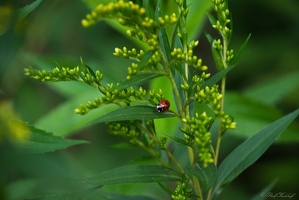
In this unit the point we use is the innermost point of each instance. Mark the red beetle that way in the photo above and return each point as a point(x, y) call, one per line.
point(163, 106)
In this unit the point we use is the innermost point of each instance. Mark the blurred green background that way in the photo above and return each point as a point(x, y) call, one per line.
point(52, 35)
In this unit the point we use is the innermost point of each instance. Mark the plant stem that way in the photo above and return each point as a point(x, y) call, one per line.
point(155, 139)
point(223, 83)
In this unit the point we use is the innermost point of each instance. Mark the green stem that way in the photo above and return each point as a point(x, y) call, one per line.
point(177, 95)
point(223, 83)
point(151, 151)
point(155, 139)
point(219, 138)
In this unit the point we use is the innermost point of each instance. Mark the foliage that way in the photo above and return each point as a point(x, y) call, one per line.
point(168, 52)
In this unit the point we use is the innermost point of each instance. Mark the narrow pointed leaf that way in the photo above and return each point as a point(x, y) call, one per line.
point(77, 195)
point(197, 14)
point(205, 175)
point(164, 43)
point(104, 195)
point(239, 52)
point(217, 77)
point(133, 113)
point(211, 18)
point(19, 14)
point(165, 188)
point(145, 58)
point(149, 5)
point(252, 115)
point(162, 36)
point(178, 140)
point(250, 150)
point(209, 37)
point(217, 57)
point(282, 85)
point(23, 12)
point(158, 11)
point(38, 141)
point(134, 174)
point(262, 194)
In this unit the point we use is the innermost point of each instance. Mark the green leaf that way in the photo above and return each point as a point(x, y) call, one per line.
point(209, 37)
point(183, 30)
point(178, 140)
point(162, 35)
point(19, 14)
point(132, 113)
point(282, 86)
point(123, 145)
point(103, 195)
point(252, 115)
point(158, 11)
point(134, 174)
point(196, 16)
point(77, 195)
point(239, 52)
point(39, 141)
point(137, 80)
point(205, 175)
point(249, 151)
point(63, 121)
point(145, 58)
point(23, 12)
point(164, 44)
point(175, 40)
point(262, 194)
point(149, 5)
point(211, 18)
point(217, 77)
point(217, 57)
point(165, 188)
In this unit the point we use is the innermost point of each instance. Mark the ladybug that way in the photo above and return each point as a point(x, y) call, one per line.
point(163, 106)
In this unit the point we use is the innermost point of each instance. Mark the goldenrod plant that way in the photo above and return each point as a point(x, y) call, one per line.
point(195, 100)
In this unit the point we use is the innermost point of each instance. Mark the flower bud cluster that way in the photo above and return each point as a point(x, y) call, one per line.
point(217, 44)
point(182, 192)
point(154, 95)
point(130, 131)
point(167, 20)
point(66, 74)
point(196, 80)
point(184, 11)
point(93, 79)
point(129, 54)
point(131, 15)
point(58, 74)
point(197, 130)
point(163, 140)
point(220, 7)
point(151, 65)
point(111, 96)
point(188, 57)
point(230, 55)
point(227, 122)
point(212, 97)
point(121, 9)
point(125, 130)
